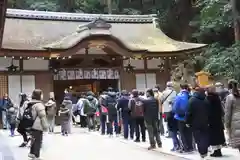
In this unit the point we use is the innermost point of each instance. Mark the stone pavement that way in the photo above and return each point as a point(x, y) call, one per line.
point(79, 145)
point(229, 153)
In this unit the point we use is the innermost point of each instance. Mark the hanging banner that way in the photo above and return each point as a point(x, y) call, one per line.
point(87, 74)
point(71, 75)
point(102, 74)
point(62, 75)
point(74, 74)
point(110, 74)
point(116, 74)
point(94, 74)
point(79, 74)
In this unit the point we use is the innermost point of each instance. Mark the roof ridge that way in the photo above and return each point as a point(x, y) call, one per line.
point(45, 15)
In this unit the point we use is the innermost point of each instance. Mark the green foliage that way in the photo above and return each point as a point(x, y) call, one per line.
point(44, 6)
point(214, 16)
point(89, 6)
point(222, 61)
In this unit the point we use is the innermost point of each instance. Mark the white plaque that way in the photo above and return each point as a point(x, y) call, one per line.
point(110, 74)
point(55, 77)
point(79, 74)
point(116, 74)
point(102, 74)
point(62, 75)
point(71, 75)
point(87, 74)
point(94, 74)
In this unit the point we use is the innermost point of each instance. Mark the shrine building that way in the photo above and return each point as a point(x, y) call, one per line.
point(53, 51)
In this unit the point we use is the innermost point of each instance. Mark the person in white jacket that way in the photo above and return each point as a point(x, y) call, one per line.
point(168, 96)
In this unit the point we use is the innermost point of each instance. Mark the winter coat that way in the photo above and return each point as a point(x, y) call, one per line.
point(38, 111)
point(21, 110)
point(167, 99)
point(64, 114)
point(51, 109)
point(110, 103)
point(122, 105)
point(158, 96)
point(151, 109)
point(12, 115)
point(232, 120)
point(5, 104)
point(216, 127)
point(181, 104)
point(132, 106)
point(198, 112)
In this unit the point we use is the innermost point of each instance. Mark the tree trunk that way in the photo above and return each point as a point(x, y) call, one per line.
point(235, 10)
point(109, 4)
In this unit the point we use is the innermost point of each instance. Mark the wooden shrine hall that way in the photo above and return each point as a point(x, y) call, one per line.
point(53, 51)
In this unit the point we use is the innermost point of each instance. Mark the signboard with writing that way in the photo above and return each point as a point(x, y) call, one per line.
point(74, 74)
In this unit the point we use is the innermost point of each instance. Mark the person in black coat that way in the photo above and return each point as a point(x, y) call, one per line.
point(151, 110)
point(198, 118)
point(122, 106)
point(216, 127)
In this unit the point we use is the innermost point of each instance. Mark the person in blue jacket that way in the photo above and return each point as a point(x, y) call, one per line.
point(180, 108)
point(5, 104)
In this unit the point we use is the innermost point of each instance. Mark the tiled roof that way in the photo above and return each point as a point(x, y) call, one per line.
point(35, 30)
point(44, 15)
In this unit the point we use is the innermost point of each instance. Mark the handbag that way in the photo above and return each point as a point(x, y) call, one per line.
point(104, 110)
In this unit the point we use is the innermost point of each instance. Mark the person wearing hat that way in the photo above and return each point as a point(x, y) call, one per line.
point(167, 99)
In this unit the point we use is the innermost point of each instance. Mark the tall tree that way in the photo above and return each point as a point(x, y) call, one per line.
point(236, 14)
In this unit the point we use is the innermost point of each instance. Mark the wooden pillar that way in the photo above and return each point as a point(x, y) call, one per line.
point(21, 71)
point(3, 7)
point(145, 71)
point(167, 69)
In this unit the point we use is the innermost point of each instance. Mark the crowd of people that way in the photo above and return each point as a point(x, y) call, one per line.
point(195, 117)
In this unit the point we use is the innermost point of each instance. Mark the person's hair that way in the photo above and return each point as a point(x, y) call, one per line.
point(158, 87)
point(184, 86)
point(211, 89)
point(124, 93)
point(200, 89)
point(233, 85)
point(37, 94)
point(150, 92)
point(135, 93)
point(51, 96)
point(23, 99)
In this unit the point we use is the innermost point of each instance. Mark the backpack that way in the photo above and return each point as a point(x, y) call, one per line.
point(138, 108)
point(27, 117)
point(88, 108)
point(181, 109)
point(111, 103)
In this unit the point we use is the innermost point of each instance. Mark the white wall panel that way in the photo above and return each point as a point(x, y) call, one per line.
point(140, 82)
point(154, 63)
point(139, 64)
point(35, 64)
point(14, 88)
point(151, 80)
point(6, 62)
point(28, 84)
